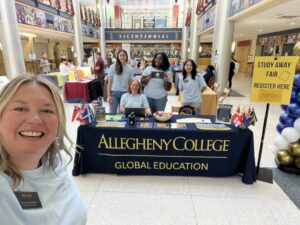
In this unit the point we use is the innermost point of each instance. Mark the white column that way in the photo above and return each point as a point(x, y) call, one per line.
point(184, 33)
point(78, 40)
point(194, 38)
point(10, 39)
point(222, 40)
point(101, 8)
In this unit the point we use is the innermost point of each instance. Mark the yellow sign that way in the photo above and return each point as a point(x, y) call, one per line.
point(273, 78)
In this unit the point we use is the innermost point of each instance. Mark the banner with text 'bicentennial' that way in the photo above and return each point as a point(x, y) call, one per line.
point(273, 78)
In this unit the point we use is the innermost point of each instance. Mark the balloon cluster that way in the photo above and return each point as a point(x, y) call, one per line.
point(287, 144)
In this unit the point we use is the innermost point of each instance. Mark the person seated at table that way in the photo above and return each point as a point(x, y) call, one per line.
point(156, 88)
point(134, 98)
point(191, 84)
point(71, 64)
point(35, 187)
point(209, 76)
point(63, 66)
point(119, 75)
point(85, 62)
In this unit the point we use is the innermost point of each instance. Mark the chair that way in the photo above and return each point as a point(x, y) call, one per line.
point(222, 97)
point(186, 110)
point(211, 82)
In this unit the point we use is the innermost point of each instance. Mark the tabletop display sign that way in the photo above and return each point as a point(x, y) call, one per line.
point(273, 79)
point(223, 113)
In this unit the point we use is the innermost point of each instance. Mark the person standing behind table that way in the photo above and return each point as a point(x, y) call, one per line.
point(231, 72)
point(63, 67)
point(156, 88)
point(44, 64)
point(191, 84)
point(33, 147)
point(134, 98)
point(209, 76)
point(99, 69)
point(119, 75)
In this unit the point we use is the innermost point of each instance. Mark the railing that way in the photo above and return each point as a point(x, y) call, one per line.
point(143, 23)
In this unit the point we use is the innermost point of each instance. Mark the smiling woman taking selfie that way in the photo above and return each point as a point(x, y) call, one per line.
point(34, 185)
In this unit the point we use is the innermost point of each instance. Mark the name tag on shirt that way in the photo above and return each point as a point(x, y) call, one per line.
point(28, 200)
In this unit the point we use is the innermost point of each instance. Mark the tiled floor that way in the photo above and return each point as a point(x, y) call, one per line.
point(162, 200)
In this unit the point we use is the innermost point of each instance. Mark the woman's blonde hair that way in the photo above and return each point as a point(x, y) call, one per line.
point(58, 144)
point(129, 84)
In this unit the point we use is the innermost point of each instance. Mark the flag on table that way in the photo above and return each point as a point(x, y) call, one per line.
point(237, 118)
point(86, 114)
point(76, 110)
point(253, 118)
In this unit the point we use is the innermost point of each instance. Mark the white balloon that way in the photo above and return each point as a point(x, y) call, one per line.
point(281, 143)
point(274, 149)
point(290, 134)
point(297, 124)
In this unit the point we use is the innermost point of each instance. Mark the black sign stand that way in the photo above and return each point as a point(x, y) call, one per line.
point(263, 174)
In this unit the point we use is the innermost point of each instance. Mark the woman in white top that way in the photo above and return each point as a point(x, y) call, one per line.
point(34, 185)
point(191, 84)
point(63, 67)
point(134, 98)
point(119, 75)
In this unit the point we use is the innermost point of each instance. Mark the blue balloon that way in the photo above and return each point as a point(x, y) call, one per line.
point(280, 127)
point(293, 110)
point(294, 96)
point(297, 80)
point(284, 107)
point(295, 88)
point(286, 120)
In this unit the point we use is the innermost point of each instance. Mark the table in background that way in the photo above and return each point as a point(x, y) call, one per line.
point(110, 150)
point(57, 78)
point(78, 90)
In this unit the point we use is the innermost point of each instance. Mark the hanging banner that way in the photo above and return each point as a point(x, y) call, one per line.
point(272, 80)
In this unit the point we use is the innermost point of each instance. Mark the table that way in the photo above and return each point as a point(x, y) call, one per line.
point(158, 151)
point(57, 78)
point(78, 90)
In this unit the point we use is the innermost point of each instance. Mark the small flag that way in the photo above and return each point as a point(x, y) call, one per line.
point(86, 115)
point(253, 118)
point(237, 118)
point(75, 112)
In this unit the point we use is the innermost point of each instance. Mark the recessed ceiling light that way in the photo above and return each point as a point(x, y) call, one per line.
point(292, 23)
point(260, 30)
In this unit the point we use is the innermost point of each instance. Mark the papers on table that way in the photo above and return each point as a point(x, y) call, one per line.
point(193, 120)
point(161, 125)
point(111, 124)
point(212, 126)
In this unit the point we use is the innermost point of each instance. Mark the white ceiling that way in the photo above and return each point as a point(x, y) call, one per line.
point(277, 15)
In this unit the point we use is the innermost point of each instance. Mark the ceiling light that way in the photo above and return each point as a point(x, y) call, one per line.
point(28, 34)
point(292, 23)
point(260, 30)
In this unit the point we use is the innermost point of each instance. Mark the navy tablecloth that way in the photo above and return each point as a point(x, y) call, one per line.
point(165, 151)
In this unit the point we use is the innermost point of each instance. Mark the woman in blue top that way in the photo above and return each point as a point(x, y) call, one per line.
point(119, 75)
point(156, 85)
point(134, 98)
point(191, 84)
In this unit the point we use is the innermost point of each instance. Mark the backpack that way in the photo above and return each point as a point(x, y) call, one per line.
point(236, 67)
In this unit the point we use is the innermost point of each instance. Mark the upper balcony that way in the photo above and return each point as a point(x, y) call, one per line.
point(143, 22)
